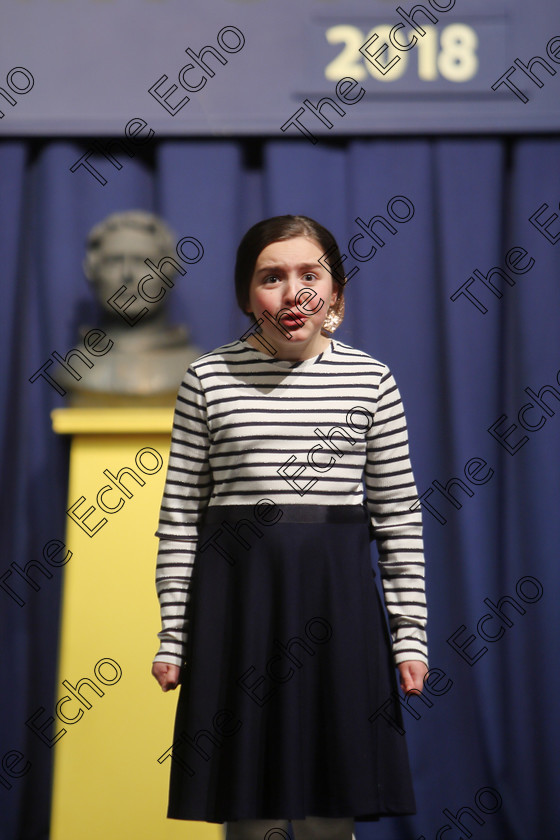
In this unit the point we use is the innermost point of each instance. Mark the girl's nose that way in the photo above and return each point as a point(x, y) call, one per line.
point(290, 291)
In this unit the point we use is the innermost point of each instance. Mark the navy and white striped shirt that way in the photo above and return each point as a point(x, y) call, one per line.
point(248, 426)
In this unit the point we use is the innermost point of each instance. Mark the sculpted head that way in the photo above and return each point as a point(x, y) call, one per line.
point(116, 251)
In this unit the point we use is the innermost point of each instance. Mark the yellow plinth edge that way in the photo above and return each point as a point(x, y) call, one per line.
point(151, 419)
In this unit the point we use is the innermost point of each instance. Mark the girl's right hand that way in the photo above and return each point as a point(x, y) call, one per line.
point(168, 676)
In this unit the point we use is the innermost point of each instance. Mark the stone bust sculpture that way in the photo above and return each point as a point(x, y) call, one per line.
point(131, 265)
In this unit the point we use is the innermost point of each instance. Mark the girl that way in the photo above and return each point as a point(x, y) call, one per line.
point(271, 618)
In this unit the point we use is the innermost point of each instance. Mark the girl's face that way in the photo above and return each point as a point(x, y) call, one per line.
point(288, 276)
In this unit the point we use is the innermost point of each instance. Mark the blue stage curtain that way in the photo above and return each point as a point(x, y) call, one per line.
point(492, 723)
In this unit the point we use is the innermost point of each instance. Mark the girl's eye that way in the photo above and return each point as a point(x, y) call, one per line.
point(271, 279)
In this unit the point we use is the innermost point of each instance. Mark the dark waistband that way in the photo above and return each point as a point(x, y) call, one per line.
point(290, 513)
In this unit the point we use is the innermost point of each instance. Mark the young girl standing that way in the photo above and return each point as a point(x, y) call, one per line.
point(271, 619)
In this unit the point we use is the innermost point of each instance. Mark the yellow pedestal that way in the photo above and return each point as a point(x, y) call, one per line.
point(107, 779)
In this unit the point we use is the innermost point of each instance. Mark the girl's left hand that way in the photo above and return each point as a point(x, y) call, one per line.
point(412, 674)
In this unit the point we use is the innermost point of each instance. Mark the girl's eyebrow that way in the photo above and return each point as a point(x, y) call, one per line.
point(278, 269)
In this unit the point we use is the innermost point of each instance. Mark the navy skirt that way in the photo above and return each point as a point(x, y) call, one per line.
point(288, 659)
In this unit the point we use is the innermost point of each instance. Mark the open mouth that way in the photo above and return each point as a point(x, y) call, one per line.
point(291, 322)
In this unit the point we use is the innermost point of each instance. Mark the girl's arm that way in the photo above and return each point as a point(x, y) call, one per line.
point(188, 487)
point(391, 493)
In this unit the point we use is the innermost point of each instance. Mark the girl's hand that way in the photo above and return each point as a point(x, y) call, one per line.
point(168, 676)
point(412, 675)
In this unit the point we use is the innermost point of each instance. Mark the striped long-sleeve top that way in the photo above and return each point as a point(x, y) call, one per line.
point(248, 427)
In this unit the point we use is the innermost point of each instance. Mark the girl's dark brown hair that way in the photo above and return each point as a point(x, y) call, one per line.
point(276, 229)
